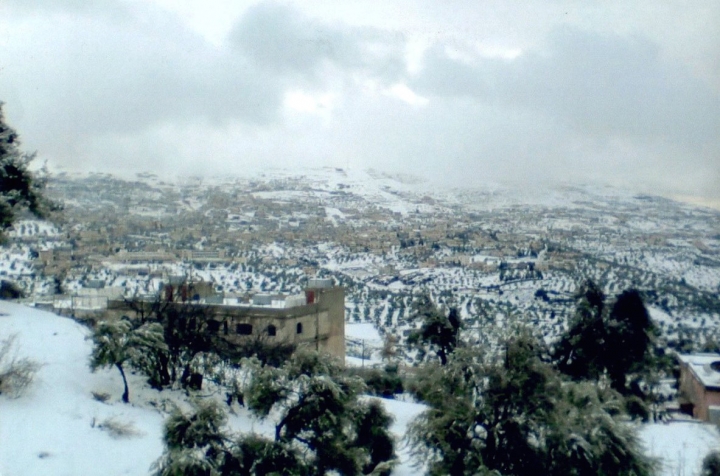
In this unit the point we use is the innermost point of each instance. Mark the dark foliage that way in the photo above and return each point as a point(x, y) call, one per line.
point(195, 443)
point(254, 455)
point(630, 334)
point(711, 464)
point(513, 415)
point(119, 342)
point(580, 353)
point(185, 336)
point(320, 412)
point(323, 427)
point(10, 290)
point(618, 342)
point(384, 383)
point(20, 189)
point(438, 332)
point(268, 351)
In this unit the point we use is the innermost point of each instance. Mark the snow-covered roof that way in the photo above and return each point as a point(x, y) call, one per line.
point(701, 365)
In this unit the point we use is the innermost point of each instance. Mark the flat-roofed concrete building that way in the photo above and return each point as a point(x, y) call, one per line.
point(699, 385)
point(313, 320)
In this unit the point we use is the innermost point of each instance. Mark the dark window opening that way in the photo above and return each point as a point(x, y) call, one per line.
point(225, 328)
point(272, 330)
point(213, 326)
point(244, 329)
point(299, 327)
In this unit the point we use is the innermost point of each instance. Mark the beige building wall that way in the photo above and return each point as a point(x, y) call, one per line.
point(333, 299)
point(322, 321)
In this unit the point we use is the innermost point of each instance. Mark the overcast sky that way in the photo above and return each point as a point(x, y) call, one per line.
point(463, 92)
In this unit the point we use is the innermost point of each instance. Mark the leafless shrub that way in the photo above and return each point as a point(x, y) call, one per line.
point(16, 374)
point(101, 397)
point(118, 429)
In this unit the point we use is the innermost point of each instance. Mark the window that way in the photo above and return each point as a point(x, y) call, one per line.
point(272, 330)
point(299, 327)
point(213, 326)
point(244, 329)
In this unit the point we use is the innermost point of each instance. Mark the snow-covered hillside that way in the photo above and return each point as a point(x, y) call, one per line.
point(58, 428)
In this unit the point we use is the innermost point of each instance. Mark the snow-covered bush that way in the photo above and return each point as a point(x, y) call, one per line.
point(118, 429)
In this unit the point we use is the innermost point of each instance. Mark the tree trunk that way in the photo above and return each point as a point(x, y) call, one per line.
point(126, 393)
point(443, 356)
point(185, 377)
point(163, 371)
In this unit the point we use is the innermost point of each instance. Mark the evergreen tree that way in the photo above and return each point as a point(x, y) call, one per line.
point(320, 415)
point(254, 456)
point(438, 332)
point(630, 335)
point(618, 342)
point(112, 344)
point(580, 353)
point(184, 337)
point(512, 414)
point(322, 427)
point(117, 343)
point(711, 464)
point(590, 436)
point(19, 187)
point(195, 443)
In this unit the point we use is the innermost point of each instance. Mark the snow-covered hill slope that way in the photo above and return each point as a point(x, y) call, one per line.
point(56, 427)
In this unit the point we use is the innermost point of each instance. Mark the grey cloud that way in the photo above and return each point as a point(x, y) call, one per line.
point(57, 5)
point(100, 77)
point(600, 85)
point(282, 39)
point(614, 85)
point(444, 76)
point(147, 92)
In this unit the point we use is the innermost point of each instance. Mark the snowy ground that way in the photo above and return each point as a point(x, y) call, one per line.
point(363, 345)
point(56, 427)
point(681, 445)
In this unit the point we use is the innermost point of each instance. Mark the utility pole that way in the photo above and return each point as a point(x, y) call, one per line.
point(362, 365)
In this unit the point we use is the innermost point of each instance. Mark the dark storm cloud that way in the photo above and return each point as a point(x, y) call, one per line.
point(282, 39)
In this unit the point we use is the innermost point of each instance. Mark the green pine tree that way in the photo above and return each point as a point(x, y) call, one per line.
point(320, 411)
point(19, 187)
point(438, 333)
point(511, 413)
point(116, 343)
